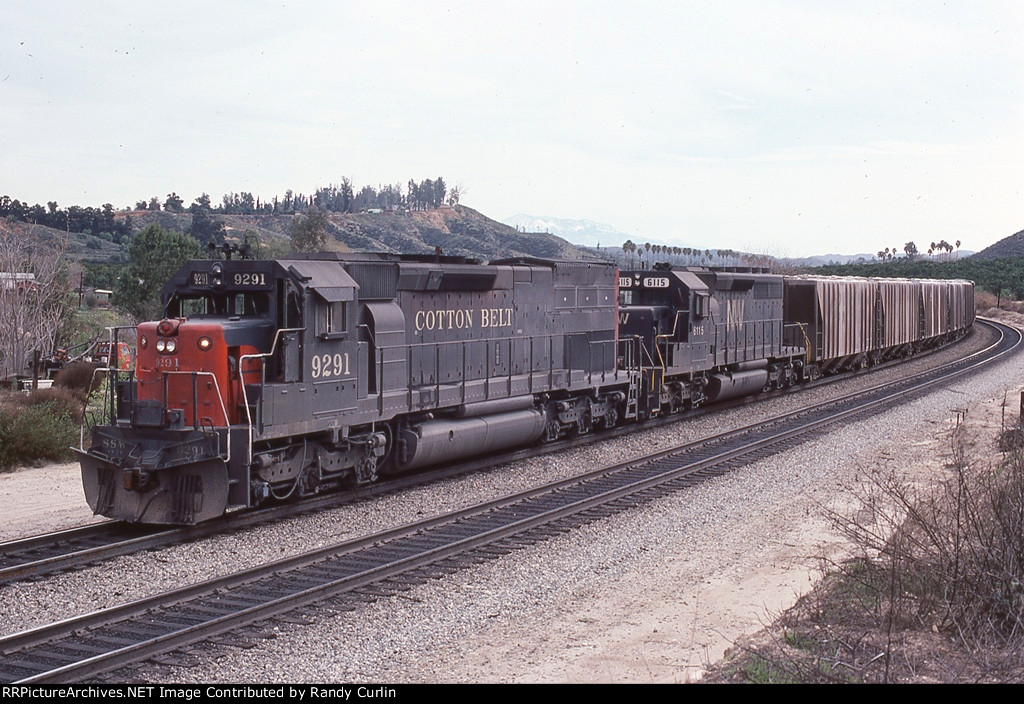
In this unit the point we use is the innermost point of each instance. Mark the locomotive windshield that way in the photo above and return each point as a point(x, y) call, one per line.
point(241, 304)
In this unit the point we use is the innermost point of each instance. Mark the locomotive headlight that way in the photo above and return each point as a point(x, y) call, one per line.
point(160, 345)
point(171, 346)
point(204, 343)
point(143, 342)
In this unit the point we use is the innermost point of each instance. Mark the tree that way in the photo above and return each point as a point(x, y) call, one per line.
point(153, 257)
point(202, 202)
point(629, 247)
point(911, 249)
point(174, 203)
point(34, 303)
point(453, 196)
point(440, 190)
point(204, 228)
point(347, 195)
point(309, 231)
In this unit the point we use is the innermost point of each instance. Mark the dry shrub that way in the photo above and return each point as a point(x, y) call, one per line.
point(78, 377)
point(950, 558)
point(986, 300)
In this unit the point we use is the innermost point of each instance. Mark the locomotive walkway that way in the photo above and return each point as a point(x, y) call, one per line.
point(387, 563)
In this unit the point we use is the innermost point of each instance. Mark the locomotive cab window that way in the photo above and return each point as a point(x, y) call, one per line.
point(250, 305)
point(700, 305)
point(332, 319)
point(187, 306)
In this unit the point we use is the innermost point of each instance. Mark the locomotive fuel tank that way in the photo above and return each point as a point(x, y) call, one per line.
point(735, 384)
point(442, 440)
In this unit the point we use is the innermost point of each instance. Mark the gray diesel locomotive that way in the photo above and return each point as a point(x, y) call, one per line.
point(279, 379)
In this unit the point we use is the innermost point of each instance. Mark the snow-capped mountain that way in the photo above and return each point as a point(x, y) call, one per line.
point(584, 232)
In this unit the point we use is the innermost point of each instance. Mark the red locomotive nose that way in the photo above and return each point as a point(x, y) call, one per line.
point(168, 327)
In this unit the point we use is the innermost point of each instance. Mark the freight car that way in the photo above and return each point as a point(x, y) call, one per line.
point(851, 323)
point(279, 379)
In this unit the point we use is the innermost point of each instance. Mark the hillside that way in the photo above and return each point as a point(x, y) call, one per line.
point(457, 230)
point(1012, 246)
point(77, 246)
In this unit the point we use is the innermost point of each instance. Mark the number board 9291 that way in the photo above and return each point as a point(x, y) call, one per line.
point(251, 280)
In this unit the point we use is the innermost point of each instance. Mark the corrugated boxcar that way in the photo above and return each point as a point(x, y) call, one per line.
point(847, 322)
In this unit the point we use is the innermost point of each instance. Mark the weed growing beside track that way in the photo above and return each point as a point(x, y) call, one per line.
point(934, 591)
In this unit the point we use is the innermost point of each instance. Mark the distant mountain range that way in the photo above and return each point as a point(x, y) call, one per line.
point(585, 232)
point(588, 233)
point(582, 232)
point(864, 258)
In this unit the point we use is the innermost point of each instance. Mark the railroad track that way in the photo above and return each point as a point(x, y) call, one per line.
point(373, 567)
point(34, 557)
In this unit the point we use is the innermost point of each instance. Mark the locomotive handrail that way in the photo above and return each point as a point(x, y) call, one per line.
point(112, 366)
point(195, 400)
point(807, 341)
point(429, 370)
point(111, 371)
point(263, 382)
point(661, 357)
point(115, 347)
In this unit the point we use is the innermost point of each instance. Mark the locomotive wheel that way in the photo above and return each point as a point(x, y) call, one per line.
point(611, 418)
point(553, 430)
point(366, 470)
point(584, 424)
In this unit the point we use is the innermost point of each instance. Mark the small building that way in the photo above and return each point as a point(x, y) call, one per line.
point(17, 281)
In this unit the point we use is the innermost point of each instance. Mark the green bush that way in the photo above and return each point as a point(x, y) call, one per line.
point(65, 401)
point(35, 433)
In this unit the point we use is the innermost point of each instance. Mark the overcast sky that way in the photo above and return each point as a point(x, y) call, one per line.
point(787, 128)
